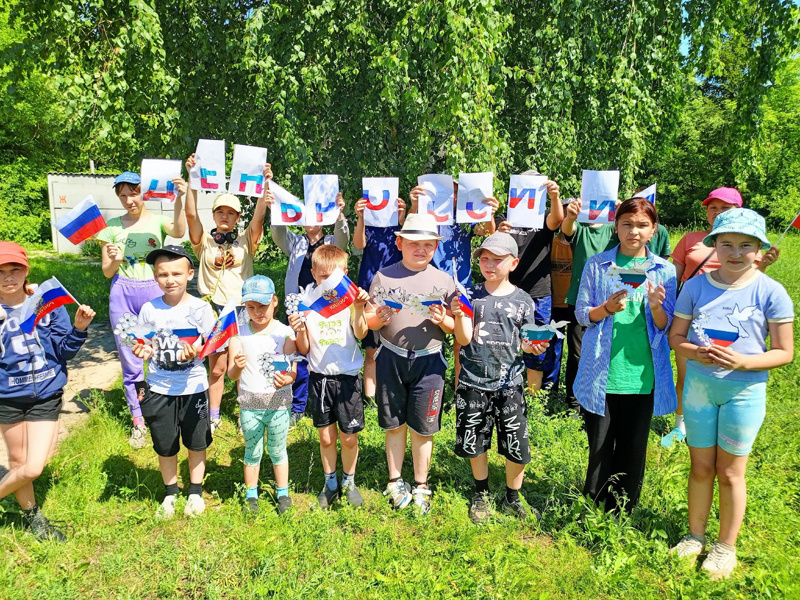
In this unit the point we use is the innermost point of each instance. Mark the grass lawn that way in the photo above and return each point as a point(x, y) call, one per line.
point(117, 549)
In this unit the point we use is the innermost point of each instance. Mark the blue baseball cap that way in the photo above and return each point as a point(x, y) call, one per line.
point(739, 220)
point(258, 289)
point(127, 177)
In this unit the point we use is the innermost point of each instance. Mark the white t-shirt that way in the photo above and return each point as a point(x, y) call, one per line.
point(189, 322)
point(333, 348)
point(257, 347)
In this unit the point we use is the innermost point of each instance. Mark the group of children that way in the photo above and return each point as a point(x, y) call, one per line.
point(623, 337)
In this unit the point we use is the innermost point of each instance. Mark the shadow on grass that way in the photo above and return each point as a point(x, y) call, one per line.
point(127, 481)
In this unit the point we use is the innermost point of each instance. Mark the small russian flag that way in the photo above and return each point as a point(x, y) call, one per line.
point(649, 193)
point(333, 295)
point(463, 299)
point(721, 337)
point(633, 280)
point(82, 222)
point(224, 329)
point(48, 297)
point(189, 335)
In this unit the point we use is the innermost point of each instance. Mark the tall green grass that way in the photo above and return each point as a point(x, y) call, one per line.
point(109, 493)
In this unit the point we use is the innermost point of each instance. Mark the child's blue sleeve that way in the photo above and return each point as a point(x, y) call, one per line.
point(66, 339)
point(779, 307)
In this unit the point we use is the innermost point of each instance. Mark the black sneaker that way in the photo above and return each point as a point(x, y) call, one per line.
point(516, 509)
point(284, 504)
point(251, 506)
point(327, 496)
point(353, 496)
point(480, 512)
point(42, 528)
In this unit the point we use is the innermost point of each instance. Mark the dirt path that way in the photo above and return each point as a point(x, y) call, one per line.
point(96, 367)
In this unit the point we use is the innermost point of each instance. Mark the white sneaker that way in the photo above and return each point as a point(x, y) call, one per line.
point(399, 493)
point(422, 498)
point(195, 505)
point(167, 508)
point(689, 546)
point(720, 562)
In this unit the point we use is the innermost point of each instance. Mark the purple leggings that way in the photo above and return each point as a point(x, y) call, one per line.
point(128, 296)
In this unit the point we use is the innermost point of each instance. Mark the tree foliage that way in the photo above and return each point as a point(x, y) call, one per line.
point(367, 87)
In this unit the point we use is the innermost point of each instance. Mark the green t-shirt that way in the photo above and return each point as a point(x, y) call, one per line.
point(588, 240)
point(136, 242)
point(630, 369)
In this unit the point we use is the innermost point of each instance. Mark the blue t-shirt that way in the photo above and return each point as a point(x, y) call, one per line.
point(380, 251)
point(456, 243)
point(735, 316)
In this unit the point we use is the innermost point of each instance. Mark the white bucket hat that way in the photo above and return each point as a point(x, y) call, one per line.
point(419, 226)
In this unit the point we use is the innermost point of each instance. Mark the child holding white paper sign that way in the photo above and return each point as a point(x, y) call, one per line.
point(299, 249)
point(624, 375)
point(722, 321)
point(226, 261)
point(491, 385)
point(533, 277)
point(125, 243)
point(379, 250)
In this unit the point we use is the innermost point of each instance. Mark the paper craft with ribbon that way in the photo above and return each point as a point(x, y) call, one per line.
point(536, 334)
point(627, 278)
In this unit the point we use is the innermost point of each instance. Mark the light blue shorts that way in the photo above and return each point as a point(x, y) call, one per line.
point(723, 412)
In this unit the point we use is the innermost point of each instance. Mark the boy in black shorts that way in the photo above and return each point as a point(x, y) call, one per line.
point(334, 384)
point(175, 404)
point(491, 383)
point(410, 366)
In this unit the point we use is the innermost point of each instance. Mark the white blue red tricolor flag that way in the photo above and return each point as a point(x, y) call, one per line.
point(333, 295)
point(463, 299)
point(82, 222)
point(224, 329)
point(649, 193)
point(48, 297)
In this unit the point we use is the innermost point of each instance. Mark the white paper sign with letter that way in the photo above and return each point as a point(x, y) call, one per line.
point(247, 171)
point(599, 190)
point(208, 172)
point(157, 176)
point(473, 189)
point(438, 197)
point(320, 193)
point(287, 209)
point(381, 196)
point(527, 201)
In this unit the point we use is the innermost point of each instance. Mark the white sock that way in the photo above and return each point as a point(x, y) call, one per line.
point(679, 424)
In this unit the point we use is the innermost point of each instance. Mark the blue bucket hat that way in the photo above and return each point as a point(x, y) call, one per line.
point(258, 289)
point(127, 177)
point(739, 220)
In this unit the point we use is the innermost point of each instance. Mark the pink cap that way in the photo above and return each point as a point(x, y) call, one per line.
point(727, 195)
point(11, 252)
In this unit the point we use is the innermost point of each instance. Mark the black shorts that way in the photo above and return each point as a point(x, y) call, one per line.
point(370, 341)
point(171, 418)
point(16, 412)
point(477, 413)
point(336, 399)
point(410, 391)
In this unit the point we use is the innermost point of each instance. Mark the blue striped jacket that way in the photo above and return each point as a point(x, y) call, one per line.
point(590, 382)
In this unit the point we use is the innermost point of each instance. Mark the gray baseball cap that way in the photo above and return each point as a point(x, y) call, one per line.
point(500, 244)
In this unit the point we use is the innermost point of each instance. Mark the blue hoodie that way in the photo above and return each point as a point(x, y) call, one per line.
point(33, 368)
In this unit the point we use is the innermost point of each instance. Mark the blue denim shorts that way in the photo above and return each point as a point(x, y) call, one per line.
point(723, 412)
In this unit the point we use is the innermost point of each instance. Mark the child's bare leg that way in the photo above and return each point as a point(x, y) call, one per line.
point(701, 488)
point(515, 473)
point(281, 475)
point(217, 364)
point(534, 380)
point(327, 447)
point(349, 451)
point(480, 466)
point(197, 465)
point(251, 475)
point(369, 373)
point(456, 361)
point(396, 450)
point(421, 452)
point(169, 469)
point(732, 494)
